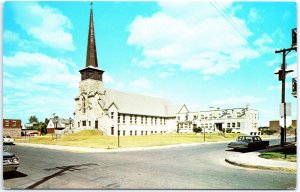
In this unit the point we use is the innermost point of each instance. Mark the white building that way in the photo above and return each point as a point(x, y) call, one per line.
point(238, 120)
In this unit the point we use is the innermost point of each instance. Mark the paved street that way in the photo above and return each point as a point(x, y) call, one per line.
point(196, 167)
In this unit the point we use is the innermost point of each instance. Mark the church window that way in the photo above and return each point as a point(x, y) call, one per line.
point(83, 123)
point(155, 131)
point(112, 115)
point(146, 132)
point(146, 120)
point(151, 132)
point(186, 117)
point(83, 103)
point(155, 120)
point(130, 133)
point(119, 118)
point(178, 118)
point(135, 132)
point(78, 124)
point(160, 120)
point(238, 124)
point(151, 120)
point(142, 132)
point(130, 119)
point(228, 124)
point(233, 124)
point(124, 118)
point(112, 130)
point(164, 121)
point(135, 119)
point(89, 123)
point(123, 132)
point(142, 119)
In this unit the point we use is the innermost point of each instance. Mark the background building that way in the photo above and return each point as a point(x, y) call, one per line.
point(236, 120)
point(12, 127)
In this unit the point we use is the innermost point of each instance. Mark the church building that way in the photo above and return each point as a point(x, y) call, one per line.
point(111, 111)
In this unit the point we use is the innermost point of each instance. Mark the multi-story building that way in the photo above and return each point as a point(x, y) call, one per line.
point(237, 120)
point(12, 127)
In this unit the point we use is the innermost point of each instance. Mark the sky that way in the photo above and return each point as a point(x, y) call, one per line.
point(199, 53)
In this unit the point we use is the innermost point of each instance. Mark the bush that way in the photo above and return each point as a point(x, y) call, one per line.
point(197, 129)
point(268, 132)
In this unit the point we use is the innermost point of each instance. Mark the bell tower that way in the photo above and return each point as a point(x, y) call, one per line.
point(91, 87)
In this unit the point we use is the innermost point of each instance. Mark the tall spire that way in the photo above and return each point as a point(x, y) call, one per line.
point(91, 53)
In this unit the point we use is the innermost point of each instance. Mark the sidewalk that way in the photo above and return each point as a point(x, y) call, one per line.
point(252, 160)
point(93, 150)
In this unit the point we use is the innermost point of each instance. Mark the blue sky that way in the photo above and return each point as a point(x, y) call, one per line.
point(204, 54)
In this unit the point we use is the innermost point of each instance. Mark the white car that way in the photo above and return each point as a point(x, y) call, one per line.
point(8, 140)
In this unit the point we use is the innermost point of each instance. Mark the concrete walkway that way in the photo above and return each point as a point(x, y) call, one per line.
point(252, 160)
point(92, 150)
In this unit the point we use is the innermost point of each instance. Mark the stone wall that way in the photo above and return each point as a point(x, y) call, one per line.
point(13, 132)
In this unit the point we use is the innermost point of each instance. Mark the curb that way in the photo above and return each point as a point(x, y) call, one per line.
point(261, 167)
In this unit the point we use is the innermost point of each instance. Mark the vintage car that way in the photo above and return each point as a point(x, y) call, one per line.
point(8, 140)
point(10, 162)
point(248, 142)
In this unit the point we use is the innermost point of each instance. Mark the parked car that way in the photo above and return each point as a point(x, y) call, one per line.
point(248, 142)
point(10, 162)
point(8, 140)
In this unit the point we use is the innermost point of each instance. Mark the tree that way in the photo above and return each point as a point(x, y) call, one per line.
point(33, 119)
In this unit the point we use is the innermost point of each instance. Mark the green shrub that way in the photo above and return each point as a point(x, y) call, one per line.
point(269, 132)
point(197, 129)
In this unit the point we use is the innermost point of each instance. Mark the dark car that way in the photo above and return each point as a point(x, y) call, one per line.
point(248, 142)
point(10, 162)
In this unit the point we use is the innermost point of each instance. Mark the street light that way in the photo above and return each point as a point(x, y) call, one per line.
point(55, 119)
point(70, 121)
point(118, 136)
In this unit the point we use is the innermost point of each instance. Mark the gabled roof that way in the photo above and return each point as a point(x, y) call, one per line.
point(140, 104)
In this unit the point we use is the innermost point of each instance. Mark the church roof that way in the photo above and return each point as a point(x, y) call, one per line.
point(140, 104)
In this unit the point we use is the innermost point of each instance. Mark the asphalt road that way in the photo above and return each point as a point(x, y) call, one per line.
point(197, 167)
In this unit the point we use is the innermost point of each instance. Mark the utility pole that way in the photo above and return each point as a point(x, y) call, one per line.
point(282, 75)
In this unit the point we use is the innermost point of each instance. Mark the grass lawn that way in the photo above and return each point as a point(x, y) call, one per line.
point(278, 155)
point(94, 139)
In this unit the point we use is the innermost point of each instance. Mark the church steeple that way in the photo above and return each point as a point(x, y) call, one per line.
point(91, 70)
point(91, 53)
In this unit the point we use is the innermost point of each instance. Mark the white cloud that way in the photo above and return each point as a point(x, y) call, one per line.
point(141, 83)
point(264, 43)
point(107, 78)
point(45, 24)
point(253, 15)
point(51, 71)
point(236, 101)
point(192, 35)
point(11, 37)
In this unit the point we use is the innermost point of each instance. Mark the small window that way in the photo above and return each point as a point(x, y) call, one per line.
point(130, 119)
point(228, 125)
point(119, 118)
point(146, 132)
point(146, 120)
point(89, 123)
point(151, 120)
point(135, 132)
point(142, 132)
point(124, 132)
point(112, 115)
point(14, 123)
point(142, 120)
point(233, 125)
point(130, 132)
point(83, 123)
point(135, 119)
point(155, 120)
point(238, 124)
point(124, 119)
point(6, 123)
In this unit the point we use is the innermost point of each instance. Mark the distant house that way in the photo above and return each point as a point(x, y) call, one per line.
point(60, 125)
point(12, 127)
point(29, 129)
